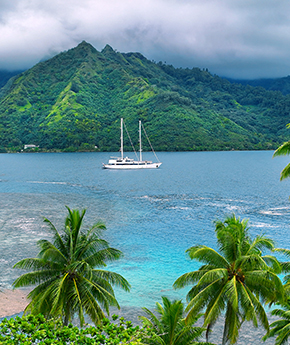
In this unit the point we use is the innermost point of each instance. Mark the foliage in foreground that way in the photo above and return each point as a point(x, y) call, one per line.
point(280, 328)
point(236, 280)
point(284, 150)
point(169, 327)
point(31, 329)
point(68, 273)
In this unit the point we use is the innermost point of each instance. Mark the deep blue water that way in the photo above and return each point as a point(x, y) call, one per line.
point(153, 216)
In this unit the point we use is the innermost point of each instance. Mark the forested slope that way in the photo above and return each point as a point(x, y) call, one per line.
point(75, 100)
point(273, 84)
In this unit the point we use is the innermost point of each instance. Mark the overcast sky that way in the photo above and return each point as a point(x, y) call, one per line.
point(233, 38)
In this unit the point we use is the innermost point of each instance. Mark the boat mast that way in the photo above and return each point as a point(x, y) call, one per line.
point(122, 153)
point(140, 143)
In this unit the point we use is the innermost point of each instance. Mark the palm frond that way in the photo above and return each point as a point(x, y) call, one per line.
point(215, 306)
point(265, 283)
point(74, 223)
point(285, 173)
point(99, 258)
point(103, 295)
point(283, 150)
point(58, 291)
point(285, 314)
point(198, 302)
point(97, 229)
point(152, 320)
point(273, 263)
point(38, 290)
point(57, 238)
point(284, 251)
point(253, 262)
point(281, 329)
point(92, 308)
point(214, 274)
point(232, 326)
point(247, 305)
point(79, 303)
point(50, 252)
point(207, 255)
point(112, 278)
point(260, 243)
point(287, 289)
point(36, 277)
point(260, 311)
point(190, 278)
point(89, 246)
point(41, 299)
point(231, 293)
point(285, 267)
point(32, 264)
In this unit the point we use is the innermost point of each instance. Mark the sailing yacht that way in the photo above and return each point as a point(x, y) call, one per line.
point(129, 163)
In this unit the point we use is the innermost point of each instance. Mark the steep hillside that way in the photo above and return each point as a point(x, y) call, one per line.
point(75, 100)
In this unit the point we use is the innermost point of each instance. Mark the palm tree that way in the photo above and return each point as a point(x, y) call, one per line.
point(170, 328)
point(69, 273)
point(235, 280)
point(281, 327)
point(284, 150)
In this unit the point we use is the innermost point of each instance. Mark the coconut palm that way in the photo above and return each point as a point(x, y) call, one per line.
point(69, 275)
point(284, 150)
point(169, 328)
point(285, 266)
point(233, 281)
point(281, 327)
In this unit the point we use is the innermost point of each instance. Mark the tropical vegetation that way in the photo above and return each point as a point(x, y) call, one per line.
point(281, 327)
point(235, 279)
point(232, 284)
point(284, 150)
point(169, 327)
point(36, 329)
point(79, 107)
point(272, 84)
point(69, 273)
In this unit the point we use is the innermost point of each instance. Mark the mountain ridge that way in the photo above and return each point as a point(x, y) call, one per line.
point(74, 101)
point(271, 84)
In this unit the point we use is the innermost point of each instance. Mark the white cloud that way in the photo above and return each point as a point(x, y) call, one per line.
point(241, 38)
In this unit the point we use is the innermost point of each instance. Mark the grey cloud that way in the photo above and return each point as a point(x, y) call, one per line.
point(239, 39)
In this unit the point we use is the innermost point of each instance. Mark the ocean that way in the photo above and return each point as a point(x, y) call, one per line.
point(153, 216)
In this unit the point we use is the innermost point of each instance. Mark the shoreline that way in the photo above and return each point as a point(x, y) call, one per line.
point(12, 302)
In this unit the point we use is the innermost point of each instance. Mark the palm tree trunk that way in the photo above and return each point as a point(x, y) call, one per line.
point(66, 319)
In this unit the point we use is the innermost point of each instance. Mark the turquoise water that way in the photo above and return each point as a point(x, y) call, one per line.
point(153, 216)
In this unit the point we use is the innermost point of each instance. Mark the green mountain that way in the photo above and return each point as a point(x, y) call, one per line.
point(75, 100)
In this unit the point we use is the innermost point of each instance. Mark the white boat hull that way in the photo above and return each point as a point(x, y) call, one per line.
point(119, 163)
point(132, 166)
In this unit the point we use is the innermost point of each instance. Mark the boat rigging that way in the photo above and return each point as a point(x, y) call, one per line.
point(129, 163)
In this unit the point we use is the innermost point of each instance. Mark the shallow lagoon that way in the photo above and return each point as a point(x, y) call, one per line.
point(153, 216)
